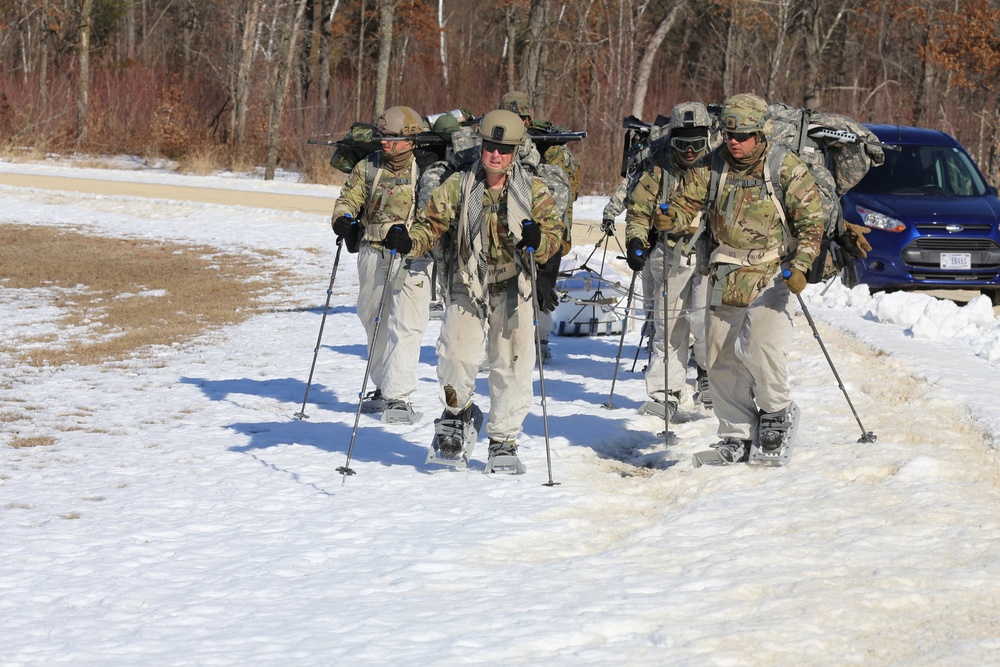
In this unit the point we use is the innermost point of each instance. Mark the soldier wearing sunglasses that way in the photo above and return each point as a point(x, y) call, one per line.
point(497, 214)
point(680, 317)
point(761, 230)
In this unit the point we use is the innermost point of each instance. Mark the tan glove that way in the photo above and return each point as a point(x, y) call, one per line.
point(857, 234)
point(796, 281)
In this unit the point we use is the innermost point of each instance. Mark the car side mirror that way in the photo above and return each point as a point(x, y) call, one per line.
point(993, 190)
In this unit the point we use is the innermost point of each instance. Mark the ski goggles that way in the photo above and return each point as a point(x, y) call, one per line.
point(740, 136)
point(503, 149)
point(697, 144)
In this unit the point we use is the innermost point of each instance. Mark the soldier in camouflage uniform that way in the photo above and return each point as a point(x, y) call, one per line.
point(380, 192)
point(561, 157)
point(683, 315)
point(749, 330)
point(490, 304)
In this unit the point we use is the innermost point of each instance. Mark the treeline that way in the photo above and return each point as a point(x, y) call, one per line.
point(245, 82)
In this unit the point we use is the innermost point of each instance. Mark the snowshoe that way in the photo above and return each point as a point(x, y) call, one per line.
point(703, 394)
point(373, 402)
point(724, 453)
point(503, 459)
point(775, 437)
point(399, 412)
point(657, 408)
point(455, 436)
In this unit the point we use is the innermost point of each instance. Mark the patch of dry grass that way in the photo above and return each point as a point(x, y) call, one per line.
point(33, 441)
point(136, 293)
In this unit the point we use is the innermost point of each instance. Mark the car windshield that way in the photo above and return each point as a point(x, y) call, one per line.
point(924, 170)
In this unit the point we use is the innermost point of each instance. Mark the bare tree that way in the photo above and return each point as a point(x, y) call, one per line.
point(83, 71)
point(386, 12)
point(239, 81)
point(649, 57)
point(288, 40)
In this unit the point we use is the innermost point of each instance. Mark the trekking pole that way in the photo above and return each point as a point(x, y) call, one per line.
point(666, 334)
point(642, 335)
point(345, 469)
point(621, 341)
point(301, 414)
point(866, 436)
point(541, 371)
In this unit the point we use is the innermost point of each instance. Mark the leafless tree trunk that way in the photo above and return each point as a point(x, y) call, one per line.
point(83, 72)
point(511, 28)
point(534, 55)
point(442, 50)
point(386, 12)
point(361, 61)
point(240, 82)
point(283, 69)
point(649, 57)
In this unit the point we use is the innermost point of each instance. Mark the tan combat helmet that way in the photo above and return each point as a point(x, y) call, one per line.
point(400, 122)
point(502, 127)
point(745, 113)
point(517, 102)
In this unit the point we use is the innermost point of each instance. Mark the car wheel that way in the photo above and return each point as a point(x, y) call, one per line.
point(995, 297)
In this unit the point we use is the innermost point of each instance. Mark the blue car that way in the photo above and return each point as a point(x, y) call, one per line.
point(933, 216)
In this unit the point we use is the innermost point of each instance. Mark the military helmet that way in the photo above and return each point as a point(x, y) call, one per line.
point(689, 115)
point(517, 102)
point(745, 113)
point(502, 127)
point(445, 124)
point(400, 122)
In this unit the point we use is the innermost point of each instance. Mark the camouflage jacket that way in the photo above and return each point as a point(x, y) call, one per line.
point(443, 213)
point(755, 223)
point(654, 186)
point(392, 200)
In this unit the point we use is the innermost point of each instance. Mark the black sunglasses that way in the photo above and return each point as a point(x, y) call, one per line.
point(697, 144)
point(503, 149)
point(739, 136)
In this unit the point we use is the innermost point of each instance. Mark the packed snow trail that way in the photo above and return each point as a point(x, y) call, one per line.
point(185, 516)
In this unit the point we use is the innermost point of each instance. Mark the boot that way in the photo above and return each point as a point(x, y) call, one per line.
point(455, 434)
point(774, 428)
point(704, 395)
point(373, 401)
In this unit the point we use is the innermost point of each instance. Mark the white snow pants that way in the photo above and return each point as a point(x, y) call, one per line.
point(747, 367)
point(395, 355)
point(683, 317)
point(509, 351)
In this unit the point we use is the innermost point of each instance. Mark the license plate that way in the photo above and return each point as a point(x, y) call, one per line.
point(956, 260)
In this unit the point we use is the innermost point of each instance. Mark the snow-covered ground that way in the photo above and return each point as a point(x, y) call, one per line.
point(185, 517)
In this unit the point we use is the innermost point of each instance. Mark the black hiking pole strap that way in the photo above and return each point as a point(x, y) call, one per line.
point(866, 435)
point(345, 469)
point(301, 414)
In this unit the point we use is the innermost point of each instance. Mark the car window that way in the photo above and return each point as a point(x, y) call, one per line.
point(924, 170)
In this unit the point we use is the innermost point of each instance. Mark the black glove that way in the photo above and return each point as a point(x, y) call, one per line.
point(546, 276)
point(531, 236)
point(344, 225)
point(398, 239)
point(635, 255)
point(608, 226)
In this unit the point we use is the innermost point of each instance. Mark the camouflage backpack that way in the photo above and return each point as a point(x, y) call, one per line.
point(837, 150)
point(358, 143)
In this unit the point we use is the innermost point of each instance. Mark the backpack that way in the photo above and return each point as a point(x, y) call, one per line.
point(838, 152)
point(357, 144)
